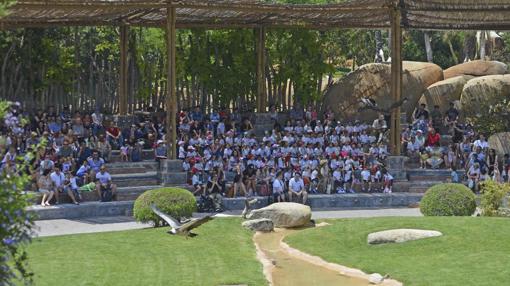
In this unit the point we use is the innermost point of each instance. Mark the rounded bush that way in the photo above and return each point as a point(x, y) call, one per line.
point(448, 200)
point(173, 201)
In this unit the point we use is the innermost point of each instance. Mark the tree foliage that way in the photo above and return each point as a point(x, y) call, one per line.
point(79, 66)
point(15, 222)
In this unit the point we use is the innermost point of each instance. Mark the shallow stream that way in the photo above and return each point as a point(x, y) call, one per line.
point(293, 270)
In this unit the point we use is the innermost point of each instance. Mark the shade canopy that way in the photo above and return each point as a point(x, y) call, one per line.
point(416, 14)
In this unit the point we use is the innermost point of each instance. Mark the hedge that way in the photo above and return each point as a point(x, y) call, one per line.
point(448, 200)
point(173, 201)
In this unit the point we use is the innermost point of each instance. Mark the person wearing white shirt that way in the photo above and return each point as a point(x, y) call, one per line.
point(71, 187)
point(366, 177)
point(297, 188)
point(104, 181)
point(279, 188)
point(481, 142)
point(388, 182)
point(58, 178)
point(338, 180)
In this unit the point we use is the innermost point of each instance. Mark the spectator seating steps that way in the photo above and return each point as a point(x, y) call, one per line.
point(174, 178)
point(147, 154)
point(125, 208)
point(261, 128)
point(431, 174)
point(171, 165)
point(136, 179)
point(132, 167)
point(123, 194)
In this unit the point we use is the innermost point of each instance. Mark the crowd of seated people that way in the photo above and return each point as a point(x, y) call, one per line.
point(464, 148)
point(305, 155)
point(68, 151)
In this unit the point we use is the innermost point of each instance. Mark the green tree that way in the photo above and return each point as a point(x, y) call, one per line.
point(15, 222)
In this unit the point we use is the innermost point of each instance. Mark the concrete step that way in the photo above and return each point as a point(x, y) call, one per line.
point(147, 154)
point(171, 166)
point(123, 194)
point(130, 170)
point(136, 179)
point(175, 178)
point(88, 209)
point(317, 202)
point(414, 186)
point(431, 174)
point(147, 164)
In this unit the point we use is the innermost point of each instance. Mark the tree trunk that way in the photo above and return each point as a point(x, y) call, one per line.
point(428, 47)
point(483, 39)
point(379, 53)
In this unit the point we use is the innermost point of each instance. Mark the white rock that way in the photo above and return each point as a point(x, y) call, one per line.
point(400, 235)
point(284, 214)
point(375, 278)
point(262, 224)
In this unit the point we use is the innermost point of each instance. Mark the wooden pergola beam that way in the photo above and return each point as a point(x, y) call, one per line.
point(396, 79)
point(260, 46)
point(171, 95)
point(123, 76)
point(254, 7)
point(211, 26)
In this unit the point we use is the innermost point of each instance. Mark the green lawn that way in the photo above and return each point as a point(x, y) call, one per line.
point(222, 253)
point(473, 251)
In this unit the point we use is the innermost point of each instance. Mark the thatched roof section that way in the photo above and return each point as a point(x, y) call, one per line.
point(426, 14)
point(456, 14)
point(197, 13)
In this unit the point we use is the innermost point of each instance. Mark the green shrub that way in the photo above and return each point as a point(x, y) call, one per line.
point(492, 197)
point(448, 200)
point(173, 201)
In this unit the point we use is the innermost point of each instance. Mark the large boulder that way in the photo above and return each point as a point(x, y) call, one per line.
point(501, 143)
point(400, 235)
point(262, 224)
point(374, 81)
point(484, 91)
point(476, 68)
point(284, 214)
point(443, 92)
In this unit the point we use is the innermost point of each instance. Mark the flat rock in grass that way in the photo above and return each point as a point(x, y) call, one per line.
point(262, 224)
point(284, 214)
point(375, 278)
point(400, 235)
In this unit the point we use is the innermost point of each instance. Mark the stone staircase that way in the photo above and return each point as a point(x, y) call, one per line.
point(134, 178)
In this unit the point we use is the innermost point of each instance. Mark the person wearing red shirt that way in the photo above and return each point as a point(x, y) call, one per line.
point(114, 135)
point(433, 138)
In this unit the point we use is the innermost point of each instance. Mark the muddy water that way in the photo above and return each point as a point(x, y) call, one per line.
point(294, 271)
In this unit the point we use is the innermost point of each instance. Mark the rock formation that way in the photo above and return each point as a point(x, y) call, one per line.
point(443, 92)
point(501, 143)
point(262, 224)
point(373, 81)
point(476, 68)
point(482, 91)
point(284, 214)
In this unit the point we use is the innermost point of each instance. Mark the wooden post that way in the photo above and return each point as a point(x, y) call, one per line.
point(260, 42)
point(396, 79)
point(171, 99)
point(123, 77)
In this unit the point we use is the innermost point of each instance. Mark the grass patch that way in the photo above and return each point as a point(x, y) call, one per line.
point(222, 253)
point(472, 251)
